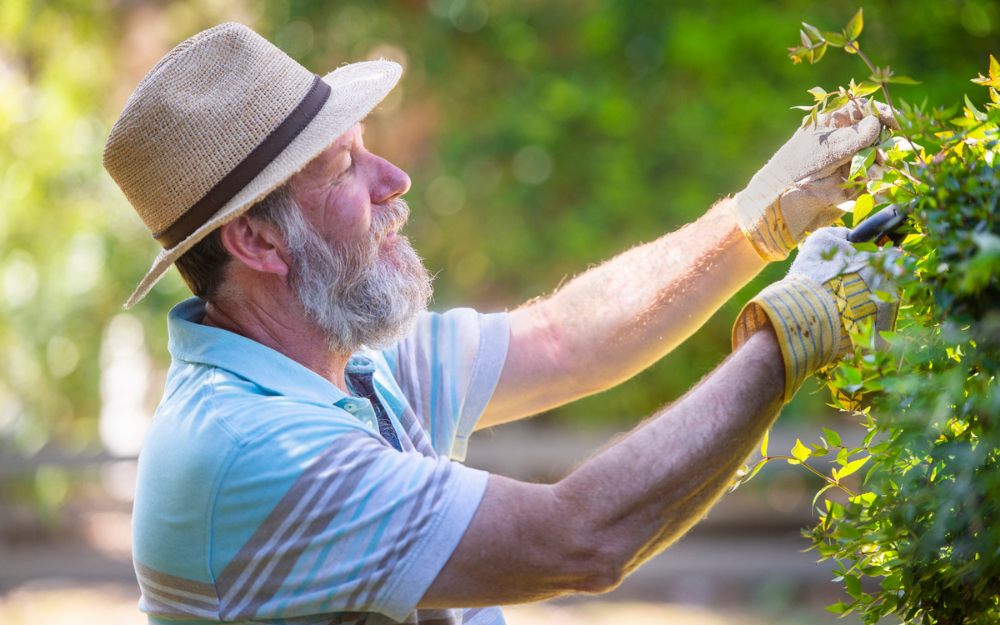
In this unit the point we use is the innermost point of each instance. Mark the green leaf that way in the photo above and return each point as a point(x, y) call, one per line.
point(804, 38)
point(763, 444)
point(814, 33)
point(836, 103)
point(893, 582)
point(852, 467)
point(835, 39)
point(971, 108)
point(821, 491)
point(800, 451)
point(855, 25)
point(838, 608)
point(862, 206)
point(832, 437)
point(861, 162)
point(903, 80)
point(853, 586)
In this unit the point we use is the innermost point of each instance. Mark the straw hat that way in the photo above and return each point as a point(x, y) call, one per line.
point(220, 122)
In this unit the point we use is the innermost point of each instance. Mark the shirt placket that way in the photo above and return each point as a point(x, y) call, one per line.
point(360, 377)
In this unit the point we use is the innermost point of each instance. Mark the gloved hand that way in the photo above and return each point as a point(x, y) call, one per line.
point(798, 190)
point(827, 294)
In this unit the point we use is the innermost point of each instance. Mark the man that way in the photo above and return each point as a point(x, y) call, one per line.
point(299, 466)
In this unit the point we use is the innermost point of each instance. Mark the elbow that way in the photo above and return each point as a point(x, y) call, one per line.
point(594, 560)
point(601, 581)
point(598, 571)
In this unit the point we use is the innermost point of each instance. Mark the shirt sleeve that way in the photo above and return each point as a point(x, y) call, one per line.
point(358, 526)
point(448, 368)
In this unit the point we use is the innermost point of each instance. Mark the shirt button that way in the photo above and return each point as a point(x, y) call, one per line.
point(350, 406)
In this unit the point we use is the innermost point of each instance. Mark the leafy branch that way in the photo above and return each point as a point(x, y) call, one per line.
point(814, 45)
point(800, 453)
point(922, 524)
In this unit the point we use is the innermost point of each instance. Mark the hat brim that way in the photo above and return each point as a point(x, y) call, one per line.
point(356, 89)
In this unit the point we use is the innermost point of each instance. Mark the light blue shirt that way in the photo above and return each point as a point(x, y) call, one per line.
point(266, 493)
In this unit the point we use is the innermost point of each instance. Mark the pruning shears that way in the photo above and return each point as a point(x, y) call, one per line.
point(881, 227)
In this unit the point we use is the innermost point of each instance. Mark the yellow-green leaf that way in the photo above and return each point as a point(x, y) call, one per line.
point(862, 206)
point(763, 444)
point(866, 88)
point(800, 451)
point(817, 53)
point(855, 25)
point(818, 93)
point(852, 467)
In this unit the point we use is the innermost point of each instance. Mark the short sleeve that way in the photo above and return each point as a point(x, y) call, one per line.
point(448, 368)
point(359, 527)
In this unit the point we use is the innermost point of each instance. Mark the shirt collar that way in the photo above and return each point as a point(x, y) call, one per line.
point(190, 341)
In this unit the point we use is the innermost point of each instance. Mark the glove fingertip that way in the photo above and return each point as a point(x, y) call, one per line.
point(869, 129)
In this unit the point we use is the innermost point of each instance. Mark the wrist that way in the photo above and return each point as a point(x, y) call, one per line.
point(757, 210)
point(805, 322)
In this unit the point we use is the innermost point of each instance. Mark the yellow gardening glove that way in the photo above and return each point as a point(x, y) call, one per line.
point(827, 295)
point(799, 189)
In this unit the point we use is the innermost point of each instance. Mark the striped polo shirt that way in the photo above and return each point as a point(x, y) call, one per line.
point(265, 493)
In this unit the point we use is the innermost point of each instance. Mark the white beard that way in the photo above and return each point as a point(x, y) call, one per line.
point(368, 292)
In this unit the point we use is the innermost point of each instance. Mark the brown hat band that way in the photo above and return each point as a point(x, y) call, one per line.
point(249, 167)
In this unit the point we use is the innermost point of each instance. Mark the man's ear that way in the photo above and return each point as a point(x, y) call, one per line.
point(256, 244)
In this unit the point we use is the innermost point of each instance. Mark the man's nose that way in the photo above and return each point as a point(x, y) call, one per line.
point(391, 182)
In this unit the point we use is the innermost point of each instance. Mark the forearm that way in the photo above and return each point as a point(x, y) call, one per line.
point(615, 320)
point(528, 542)
point(643, 493)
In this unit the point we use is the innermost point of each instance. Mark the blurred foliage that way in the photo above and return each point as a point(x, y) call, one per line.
point(541, 137)
point(924, 521)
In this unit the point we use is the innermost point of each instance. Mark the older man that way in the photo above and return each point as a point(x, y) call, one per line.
point(300, 465)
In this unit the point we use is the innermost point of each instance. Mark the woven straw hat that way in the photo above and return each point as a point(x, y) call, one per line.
point(220, 122)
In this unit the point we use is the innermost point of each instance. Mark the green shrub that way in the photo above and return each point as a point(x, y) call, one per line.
point(925, 522)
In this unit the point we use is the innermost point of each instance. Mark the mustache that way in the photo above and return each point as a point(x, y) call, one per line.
point(388, 218)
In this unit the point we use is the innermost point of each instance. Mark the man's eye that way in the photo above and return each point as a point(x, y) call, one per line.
point(346, 171)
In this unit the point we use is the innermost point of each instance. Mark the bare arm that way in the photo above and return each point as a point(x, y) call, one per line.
point(615, 320)
point(528, 542)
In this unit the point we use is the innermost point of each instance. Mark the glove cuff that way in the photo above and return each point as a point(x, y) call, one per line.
point(757, 210)
point(806, 322)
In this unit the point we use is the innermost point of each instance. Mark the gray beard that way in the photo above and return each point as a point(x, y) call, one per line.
point(368, 292)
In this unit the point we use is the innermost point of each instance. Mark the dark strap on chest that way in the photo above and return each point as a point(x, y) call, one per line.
point(364, 386)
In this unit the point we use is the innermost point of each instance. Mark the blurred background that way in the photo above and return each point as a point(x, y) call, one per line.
point(541, 136)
